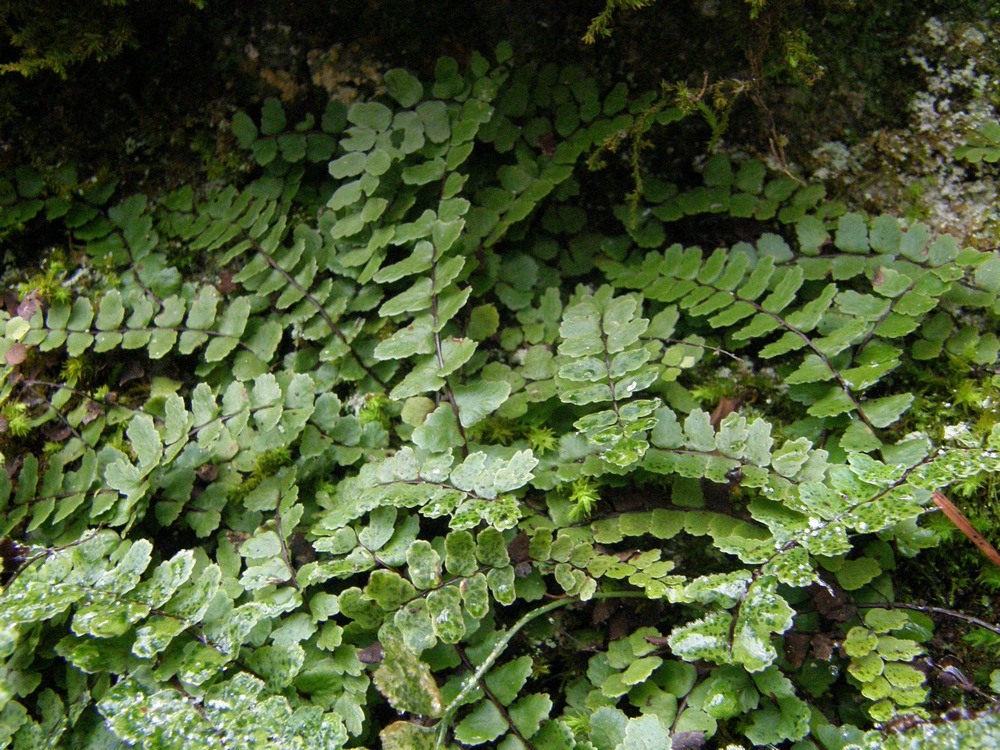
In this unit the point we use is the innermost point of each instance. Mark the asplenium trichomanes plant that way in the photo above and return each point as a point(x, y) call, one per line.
point(418, 416)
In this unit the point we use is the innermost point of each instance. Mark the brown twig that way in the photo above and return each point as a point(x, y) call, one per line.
point(962, 524)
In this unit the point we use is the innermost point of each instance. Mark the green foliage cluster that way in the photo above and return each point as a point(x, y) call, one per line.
point(983, 145)
point(56, 35)
point(422, 417)
point(880, 662)
point(768, 36)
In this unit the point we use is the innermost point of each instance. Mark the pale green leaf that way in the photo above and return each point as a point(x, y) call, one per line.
point(263, 545)
point(479, 399)
point(370, 115)
point(645, 733)
point(507, 680)
point(853, 574)
point(852, 233)
point(201, 316)
point(607, 728)
point(483, 725)
point(415, 626)
point(763, 613)
point(460, 557)
point(405, 735)
point(389, 590)
point(439, 431)
point(698, 430)
point(528, 713)
point(406, 682)
point(883, 412)
point(424, 565)
point(146, 442)
point(445, 608)
point(706, 638)
point(416, 338)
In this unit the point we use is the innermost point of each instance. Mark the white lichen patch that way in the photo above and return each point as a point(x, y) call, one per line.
point(914, 171)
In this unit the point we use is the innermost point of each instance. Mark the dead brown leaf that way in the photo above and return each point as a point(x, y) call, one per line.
point(725, 407)
point(133, 371)
point(16, 354)
point(621, 625)
point(371, 655)
point(832, 604)
point(57, 433)
point(207, 472)
point(796, 648)
point(226, 285)
point(688, 740)
point(28, 306)
point(10, 302)
point(823, 646)
point(302, 550)
point(519, 549)
point(657, 640)
point(602, 611)
point(92, 412)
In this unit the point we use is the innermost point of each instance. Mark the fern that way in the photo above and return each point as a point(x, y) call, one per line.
point(600, 340)
point(376, 441)
point(849, 338)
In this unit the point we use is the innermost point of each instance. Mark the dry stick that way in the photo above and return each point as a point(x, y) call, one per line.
point(773, 137)
point(61, 386)
point(962, 524)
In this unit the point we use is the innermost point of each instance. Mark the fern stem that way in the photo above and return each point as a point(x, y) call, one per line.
point(489, 661)
point(59, 415)
point(611, 380)
point(706, 347)
point(319, 308)
point(882, 318)
point(825, 359)
point(934, 610)
point(500, 707)
point(449, 394)
point(284, 551)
